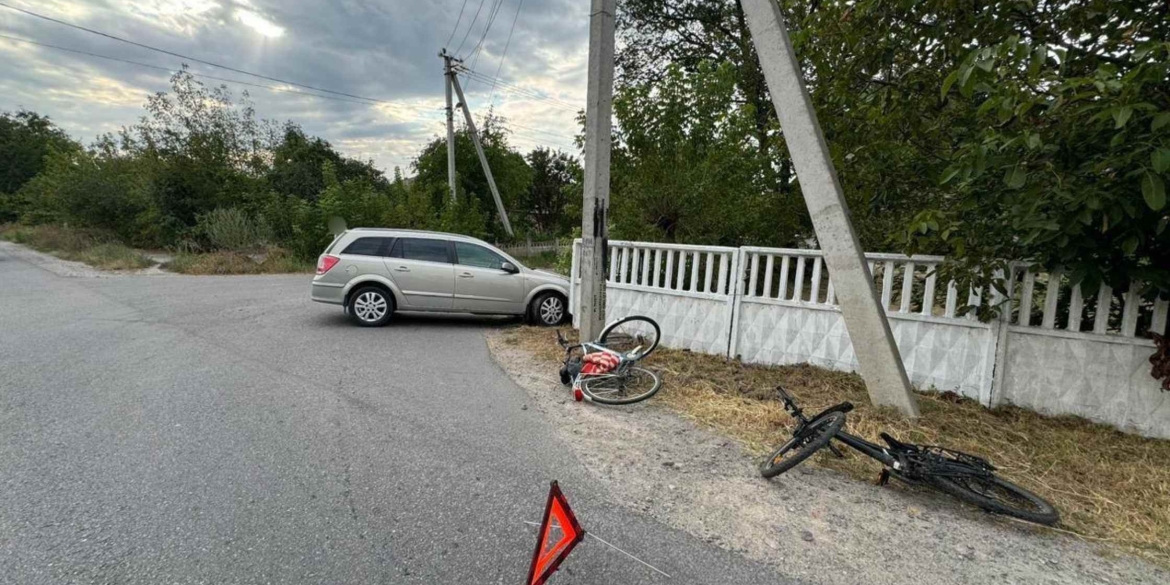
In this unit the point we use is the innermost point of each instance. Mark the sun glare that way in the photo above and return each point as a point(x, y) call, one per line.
point(259, 24)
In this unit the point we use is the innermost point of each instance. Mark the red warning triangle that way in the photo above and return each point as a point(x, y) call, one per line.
point(559, 533)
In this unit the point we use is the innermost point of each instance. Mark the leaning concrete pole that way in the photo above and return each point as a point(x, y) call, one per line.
point(595, 207)
point(865, 318)
point(487, 169)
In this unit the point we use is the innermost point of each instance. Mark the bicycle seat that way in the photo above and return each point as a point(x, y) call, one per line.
point(894, 444)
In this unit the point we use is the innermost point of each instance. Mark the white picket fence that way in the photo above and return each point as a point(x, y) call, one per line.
point(1054, 349)
point(531, 248)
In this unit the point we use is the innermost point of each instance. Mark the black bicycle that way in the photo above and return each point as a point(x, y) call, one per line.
point(967, 477)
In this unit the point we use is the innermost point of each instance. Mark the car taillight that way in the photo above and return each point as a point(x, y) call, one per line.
point(324, 263)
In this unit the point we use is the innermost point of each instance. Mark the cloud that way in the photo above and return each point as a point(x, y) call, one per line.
point(383, 49)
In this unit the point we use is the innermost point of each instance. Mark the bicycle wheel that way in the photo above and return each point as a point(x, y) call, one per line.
point(817, 434)
point(998, 495)
point(632, 333)
point(635, 385)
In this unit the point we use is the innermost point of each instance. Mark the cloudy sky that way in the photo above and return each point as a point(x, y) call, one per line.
point(383, 49)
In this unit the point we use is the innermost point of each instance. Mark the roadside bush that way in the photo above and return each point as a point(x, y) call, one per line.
point(274, 261)
point(108, 193)
point(232, 229)
point(97, 248)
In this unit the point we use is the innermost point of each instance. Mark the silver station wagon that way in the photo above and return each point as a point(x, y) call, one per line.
point(375, 272)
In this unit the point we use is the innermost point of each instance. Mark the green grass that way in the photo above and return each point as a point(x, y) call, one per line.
point(543, 260)
point(95, 248)
point(277, 261)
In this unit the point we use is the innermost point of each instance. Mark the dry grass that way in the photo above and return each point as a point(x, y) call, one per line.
point(1109, 486)
point(92, 247)
point(276, 261)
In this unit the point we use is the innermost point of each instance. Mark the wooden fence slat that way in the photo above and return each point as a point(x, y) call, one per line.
point(613, 264)
point(623, 270)
point(709, 273)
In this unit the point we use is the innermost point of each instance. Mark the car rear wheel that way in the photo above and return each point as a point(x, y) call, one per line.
point(548, 309)
point(371, 306)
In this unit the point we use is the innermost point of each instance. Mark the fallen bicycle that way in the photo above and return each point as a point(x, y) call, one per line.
point(606, 372)
point(967, 477)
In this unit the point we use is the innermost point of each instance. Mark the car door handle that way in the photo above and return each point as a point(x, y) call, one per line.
point(402, 269)
point(466, 275)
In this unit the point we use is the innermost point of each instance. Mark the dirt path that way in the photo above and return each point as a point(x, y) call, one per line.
point(810, 523)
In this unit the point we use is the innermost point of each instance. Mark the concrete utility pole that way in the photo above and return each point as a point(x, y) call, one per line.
point(598, 141)
point(487, 170)
point(865, 318)
point(448, 74)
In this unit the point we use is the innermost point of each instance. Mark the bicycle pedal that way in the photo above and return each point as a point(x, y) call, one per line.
point(883, 477)
point(578, 395)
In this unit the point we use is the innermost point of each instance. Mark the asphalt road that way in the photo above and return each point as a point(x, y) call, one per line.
point(167, 429)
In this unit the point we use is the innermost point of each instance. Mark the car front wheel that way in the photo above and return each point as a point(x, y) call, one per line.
point(371, 306)
point(548, 309)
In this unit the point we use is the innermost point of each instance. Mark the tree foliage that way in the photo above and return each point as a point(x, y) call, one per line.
point(984, 130)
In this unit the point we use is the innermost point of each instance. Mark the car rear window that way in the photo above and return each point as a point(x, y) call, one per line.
point(369, 246)
point(424, 249)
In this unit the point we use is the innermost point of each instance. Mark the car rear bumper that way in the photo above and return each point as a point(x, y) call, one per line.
point(328, 292)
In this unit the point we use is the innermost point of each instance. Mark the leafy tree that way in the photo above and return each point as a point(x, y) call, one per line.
point(682, 168)
point(511, 172)
point(1063, 149)
point(26, 139)
point(93, 189)
point(298, 159)
point(556, 186)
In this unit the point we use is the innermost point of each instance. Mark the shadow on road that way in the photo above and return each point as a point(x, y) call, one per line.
point(339, 319)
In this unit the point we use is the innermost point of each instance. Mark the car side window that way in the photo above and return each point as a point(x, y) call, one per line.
point(478, 256)
point(424, 249)
point(368, 247)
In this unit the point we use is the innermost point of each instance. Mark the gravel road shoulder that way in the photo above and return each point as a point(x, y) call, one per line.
point(70, 268)
point(811, 523)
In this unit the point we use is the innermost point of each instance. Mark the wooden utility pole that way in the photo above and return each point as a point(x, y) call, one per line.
point(865, 317)
point(448, 75)
point(595, 206)
point(487, 170)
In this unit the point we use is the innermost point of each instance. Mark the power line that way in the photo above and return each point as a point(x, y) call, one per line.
point(195, 59)
point(519, 90)
point(470, 26)
point(495, 10)
point(172, 71)
point(508, 43)
point(478, 49)
point(456, 27)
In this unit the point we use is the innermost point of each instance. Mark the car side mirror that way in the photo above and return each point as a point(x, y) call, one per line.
point(509, 268)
